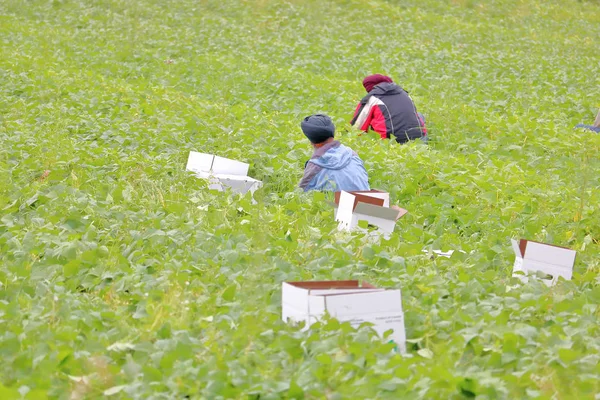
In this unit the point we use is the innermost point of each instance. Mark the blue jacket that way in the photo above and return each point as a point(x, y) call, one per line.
point(334, 167)
point(590, 127)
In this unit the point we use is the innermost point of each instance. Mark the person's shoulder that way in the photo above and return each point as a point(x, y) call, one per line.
point(365, 99)
point(348, 150)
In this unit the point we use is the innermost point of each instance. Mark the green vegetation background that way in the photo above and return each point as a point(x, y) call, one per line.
point(121, 275)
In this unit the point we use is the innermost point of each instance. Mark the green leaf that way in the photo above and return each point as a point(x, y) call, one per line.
point(114, 390)
point(8, 393)
point(229, 293)
point(392, 384)
point(568, 355)
point(71, 268)
point(295, 391)
point(425, 353)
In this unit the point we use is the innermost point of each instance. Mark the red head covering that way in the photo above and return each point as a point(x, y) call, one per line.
point(370, 81)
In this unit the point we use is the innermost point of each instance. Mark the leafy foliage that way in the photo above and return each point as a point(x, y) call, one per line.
point(122, 275)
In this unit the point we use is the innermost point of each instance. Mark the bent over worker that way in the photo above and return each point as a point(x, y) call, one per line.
point(388, 110)
point(333, 166)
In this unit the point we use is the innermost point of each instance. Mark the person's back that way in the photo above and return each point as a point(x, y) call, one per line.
point(337, 168)
point(389, 111)
point(333, 166)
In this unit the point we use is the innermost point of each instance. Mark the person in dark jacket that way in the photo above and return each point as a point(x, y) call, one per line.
point(333, 166)
point(388, 110)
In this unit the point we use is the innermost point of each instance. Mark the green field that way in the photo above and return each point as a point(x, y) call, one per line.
point(122, 275)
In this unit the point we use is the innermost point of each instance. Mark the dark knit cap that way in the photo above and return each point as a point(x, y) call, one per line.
point(318, 128)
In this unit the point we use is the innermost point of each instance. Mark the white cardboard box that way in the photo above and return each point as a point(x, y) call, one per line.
point(345, 301)
point(533, 257)
point(222, 172)
point(371, 206)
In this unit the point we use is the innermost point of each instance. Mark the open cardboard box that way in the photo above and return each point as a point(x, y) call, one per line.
point(346, 301)
point(534, 258)
point(222, 172)
point(372, 206)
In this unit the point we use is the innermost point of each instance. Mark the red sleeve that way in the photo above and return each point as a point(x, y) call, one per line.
point(377, 122)
point(367, 123)
point(365, 126)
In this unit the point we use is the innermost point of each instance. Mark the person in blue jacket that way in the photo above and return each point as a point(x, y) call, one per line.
point(333, 166)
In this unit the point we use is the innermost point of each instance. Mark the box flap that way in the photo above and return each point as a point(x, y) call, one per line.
point(349, 284)
point(401, 211)
point(523, 246)
point(199, 162)
point(373, 192)
point(202, 162)
point(367, 195)
point(371, 210)
point(516, 248)
point(364, 303)
point(360, 198)
point(230, 167)
point(337, 292)
point(549, 254)
point(378, 194)
point(325, 288)
point(345, 208)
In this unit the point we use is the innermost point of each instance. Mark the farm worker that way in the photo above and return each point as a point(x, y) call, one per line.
point(388, 110)
point(333, 166)
point(595, 127)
